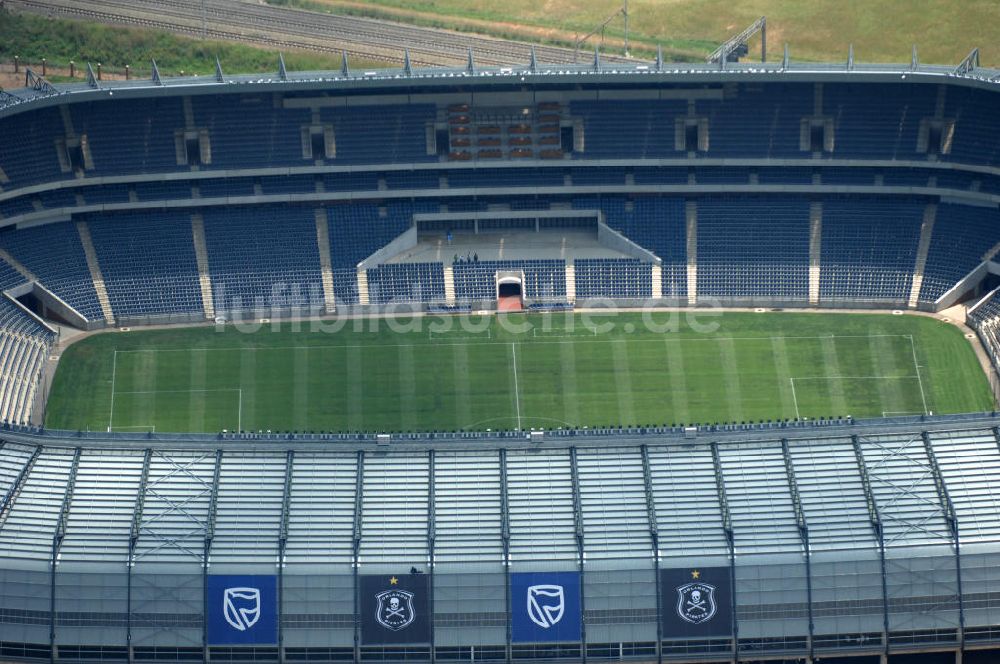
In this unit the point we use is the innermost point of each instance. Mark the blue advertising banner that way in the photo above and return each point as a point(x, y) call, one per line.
point(545, 607)
point(242, 610)
point(696, 602)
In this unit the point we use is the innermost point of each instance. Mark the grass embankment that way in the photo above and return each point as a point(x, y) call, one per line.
point(819, 30)
point(32, 38)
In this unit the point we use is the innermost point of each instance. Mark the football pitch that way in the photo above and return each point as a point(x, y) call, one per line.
point(522, 371)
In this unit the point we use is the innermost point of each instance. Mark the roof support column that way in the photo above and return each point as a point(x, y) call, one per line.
point(876, 522)
point(431, 534)
point(953, 529)
point(140, 500)
point(282, 541)
point(505, 540)
point(727, 526)
point(654, 536)
point(57, 539)
point(207, 551)
point(359, 487)
point(800, 521)
point(578, 526)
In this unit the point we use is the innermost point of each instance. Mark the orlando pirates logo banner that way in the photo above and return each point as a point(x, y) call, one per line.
point(545, 607)
point(394, 609)
point(242, 609)
point(696, 602)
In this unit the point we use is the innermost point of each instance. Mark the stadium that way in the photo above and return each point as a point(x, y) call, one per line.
point(615, 362)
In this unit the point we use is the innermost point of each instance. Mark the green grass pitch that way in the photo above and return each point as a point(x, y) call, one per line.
point(532, 371)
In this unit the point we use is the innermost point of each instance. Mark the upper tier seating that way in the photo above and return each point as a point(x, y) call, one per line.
point(131, 136)
point(883, 125)
point(264, 134)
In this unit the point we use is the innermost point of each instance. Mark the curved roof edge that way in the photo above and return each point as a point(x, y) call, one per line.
point(553, 438)
point(598, 73)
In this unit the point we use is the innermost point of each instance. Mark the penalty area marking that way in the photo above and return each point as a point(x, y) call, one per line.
point(239, 404)
point(796, 401)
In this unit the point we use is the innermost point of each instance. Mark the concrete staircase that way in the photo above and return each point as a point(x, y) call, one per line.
point(570, 281)
point(95, 271)
point(201, 255)
point(449, 285)
point(691, 214)
point(657, 274)
point(363, 287)
point(325, 265)
point(815, 250)
point(923, 247)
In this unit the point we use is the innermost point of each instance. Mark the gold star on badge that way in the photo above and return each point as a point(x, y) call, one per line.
point(695, 574)
point(393, 581)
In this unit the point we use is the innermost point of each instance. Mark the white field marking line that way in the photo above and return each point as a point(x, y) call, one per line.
point(854, 377)
point(114, 370)
point(562, 335)
point(887, 413)
point(795, 399)
point(150, 427)
point(239, 412)
point(217, 389)
point(657, 339)
point(445, 335)
point(517, 392)
point(916, 366)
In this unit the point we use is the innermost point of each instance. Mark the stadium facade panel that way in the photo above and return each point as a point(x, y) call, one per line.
point(776, 543)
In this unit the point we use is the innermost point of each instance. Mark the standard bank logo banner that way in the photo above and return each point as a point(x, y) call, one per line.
point(545, 607)
point(242, 610)
point(696, 602)
point(394, 609)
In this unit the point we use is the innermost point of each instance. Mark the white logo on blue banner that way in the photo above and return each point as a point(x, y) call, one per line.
point(242, 609)
point(545, 607)
point(546, 604)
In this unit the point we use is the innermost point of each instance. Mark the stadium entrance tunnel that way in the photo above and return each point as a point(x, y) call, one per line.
point(48, 306)
point(509, 292)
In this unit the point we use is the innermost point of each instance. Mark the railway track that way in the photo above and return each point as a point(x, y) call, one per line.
point(285, 28)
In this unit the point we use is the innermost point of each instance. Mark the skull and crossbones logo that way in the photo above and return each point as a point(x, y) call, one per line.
point(696, 602)
point(395, 609)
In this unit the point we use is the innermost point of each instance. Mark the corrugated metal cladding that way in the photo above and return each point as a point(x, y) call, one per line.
point(835, 543)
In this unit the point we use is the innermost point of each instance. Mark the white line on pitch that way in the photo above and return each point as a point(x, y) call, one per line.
point(217, 389)
point(916, 366)
point(539, 340)
point(854, 377)
point(114, 370)
point(795, 399)
point(517, 396)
